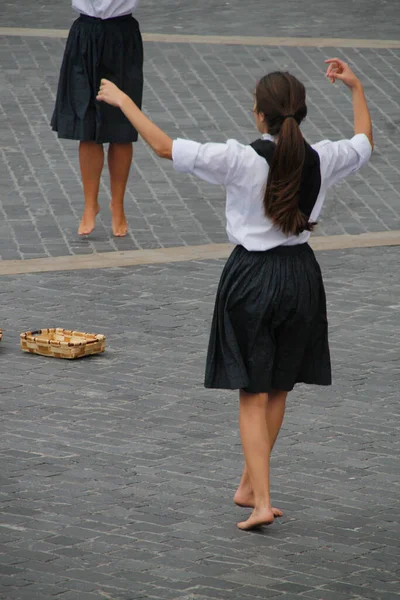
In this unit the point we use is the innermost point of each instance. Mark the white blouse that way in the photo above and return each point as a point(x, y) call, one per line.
point(105, 9)
point(244, 174)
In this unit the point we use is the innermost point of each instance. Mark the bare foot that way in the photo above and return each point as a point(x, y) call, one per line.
point(245, 499)
point(119, 223)
point(258, 518)
point(88, 221)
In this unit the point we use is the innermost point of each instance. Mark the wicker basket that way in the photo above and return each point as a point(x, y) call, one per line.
point(62, 343)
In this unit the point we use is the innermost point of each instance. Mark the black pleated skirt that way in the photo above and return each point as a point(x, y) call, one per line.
point(270, 328)
point(97, 49)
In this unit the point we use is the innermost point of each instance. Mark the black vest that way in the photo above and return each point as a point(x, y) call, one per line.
point(310, 178)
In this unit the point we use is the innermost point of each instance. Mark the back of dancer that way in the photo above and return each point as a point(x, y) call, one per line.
point(270, 328)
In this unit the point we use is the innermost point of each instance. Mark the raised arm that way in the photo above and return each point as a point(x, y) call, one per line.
point(215, 163)
point(337, 69)
point(157, 139)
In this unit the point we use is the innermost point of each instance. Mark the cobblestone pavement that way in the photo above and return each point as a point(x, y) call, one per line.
point(195, 91)
point(118, 471)
point(374, 19)
point(192, 90)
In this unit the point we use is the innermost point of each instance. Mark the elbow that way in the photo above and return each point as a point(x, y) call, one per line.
point(370, 138)
point(163, 148)
point(164, 152)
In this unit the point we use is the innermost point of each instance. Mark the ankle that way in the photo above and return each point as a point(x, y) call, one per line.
point(91, 207)
point(245, 487)
point(262, 503)
point(117, 211)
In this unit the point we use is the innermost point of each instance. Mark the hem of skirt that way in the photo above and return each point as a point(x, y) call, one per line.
point(89, 138)
point(251, 390)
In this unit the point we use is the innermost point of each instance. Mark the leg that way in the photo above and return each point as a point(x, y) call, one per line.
point(119, 164)
point(256, 447)
point(275, 411)
point(91, 159)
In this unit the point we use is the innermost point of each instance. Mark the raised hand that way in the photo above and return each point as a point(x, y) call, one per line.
point(338, 69)
point(110, 93)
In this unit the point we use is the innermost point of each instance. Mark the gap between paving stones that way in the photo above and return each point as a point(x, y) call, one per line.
point(181, 253)
point(222, 39)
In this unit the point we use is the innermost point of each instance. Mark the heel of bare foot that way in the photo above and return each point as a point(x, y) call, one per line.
point(88, 221)
point(258, 518)
point(245, 499)
point(119, 224)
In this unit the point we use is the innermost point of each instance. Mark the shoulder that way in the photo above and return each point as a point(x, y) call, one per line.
point(340, 159)
point(232, 154)
point(358, 144)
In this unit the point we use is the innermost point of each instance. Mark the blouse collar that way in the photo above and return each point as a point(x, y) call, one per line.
point(267, 136)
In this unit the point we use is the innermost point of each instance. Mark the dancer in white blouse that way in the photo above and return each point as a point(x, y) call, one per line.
point(105, 41)
point(269, 327)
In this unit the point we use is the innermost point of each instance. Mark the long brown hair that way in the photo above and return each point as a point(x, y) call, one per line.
point(281, 98)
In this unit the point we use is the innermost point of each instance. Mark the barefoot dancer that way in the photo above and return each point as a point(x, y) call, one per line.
point(105, 41)
point(269, 328)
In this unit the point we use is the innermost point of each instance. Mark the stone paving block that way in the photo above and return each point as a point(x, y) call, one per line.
point(33, 594)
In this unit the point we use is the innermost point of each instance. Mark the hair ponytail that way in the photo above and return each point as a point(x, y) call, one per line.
point(281, 98)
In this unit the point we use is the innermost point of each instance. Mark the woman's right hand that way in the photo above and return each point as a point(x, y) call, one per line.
point(338, 69)
point(110, 93)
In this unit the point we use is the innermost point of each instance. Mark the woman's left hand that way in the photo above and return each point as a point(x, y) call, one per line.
point(110, 93)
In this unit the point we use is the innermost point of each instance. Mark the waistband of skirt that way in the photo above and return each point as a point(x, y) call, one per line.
point(88, 19)
point(283, 250)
